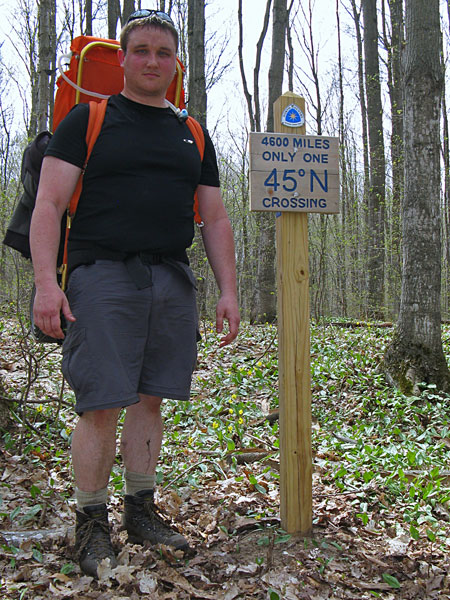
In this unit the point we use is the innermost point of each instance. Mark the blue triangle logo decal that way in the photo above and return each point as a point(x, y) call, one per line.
point(292, 116)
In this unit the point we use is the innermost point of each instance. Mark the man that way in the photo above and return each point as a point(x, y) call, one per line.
point(130, 303)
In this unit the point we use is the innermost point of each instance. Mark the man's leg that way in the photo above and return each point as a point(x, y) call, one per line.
point(140, 446)
point(93, 453)
point(94, 449)
point(142, 436)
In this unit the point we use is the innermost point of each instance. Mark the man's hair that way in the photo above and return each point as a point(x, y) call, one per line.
point(152, 21)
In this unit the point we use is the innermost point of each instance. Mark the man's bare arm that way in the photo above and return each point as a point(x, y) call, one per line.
point(219, 245)
point(57, 183)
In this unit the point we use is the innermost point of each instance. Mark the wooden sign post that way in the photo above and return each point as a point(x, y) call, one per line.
point(293, 174)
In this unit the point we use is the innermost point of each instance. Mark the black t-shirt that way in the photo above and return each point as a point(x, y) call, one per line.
point(140, 180)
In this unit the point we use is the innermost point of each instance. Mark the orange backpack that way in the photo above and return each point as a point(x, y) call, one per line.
point(94, 73)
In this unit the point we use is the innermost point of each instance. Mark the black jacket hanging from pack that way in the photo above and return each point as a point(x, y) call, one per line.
point(18, 232)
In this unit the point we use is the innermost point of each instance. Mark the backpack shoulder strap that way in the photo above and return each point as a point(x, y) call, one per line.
point(97, 112)
point(197, 132)
point(199, 137)
point(96, 116)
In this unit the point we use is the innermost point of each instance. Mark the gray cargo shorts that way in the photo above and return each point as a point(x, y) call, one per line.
point(126, 340)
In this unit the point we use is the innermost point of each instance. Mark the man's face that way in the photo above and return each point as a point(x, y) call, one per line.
point(149, 65)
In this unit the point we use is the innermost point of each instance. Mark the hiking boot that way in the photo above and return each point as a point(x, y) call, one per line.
point(93, 540)
point(144, 521)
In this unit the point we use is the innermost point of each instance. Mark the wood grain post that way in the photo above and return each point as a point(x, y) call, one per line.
point(294, 355)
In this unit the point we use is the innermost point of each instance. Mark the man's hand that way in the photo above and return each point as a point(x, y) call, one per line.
point(56, 186)
point(219, 245)
point(227, 308)
point(49, 302)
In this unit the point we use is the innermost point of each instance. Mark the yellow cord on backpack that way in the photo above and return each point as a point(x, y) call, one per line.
point(64, 267)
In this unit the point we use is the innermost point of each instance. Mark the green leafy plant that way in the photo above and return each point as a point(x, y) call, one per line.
point(392, 581)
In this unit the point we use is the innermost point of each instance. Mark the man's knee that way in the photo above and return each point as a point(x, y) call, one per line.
point(104, 418)
point(149, 403)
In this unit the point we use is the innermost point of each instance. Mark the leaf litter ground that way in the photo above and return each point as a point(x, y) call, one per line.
point(381, 485)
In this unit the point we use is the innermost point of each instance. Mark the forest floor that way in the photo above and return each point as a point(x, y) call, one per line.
point(381, 484)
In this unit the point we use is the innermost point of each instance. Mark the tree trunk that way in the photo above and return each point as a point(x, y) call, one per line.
point(54, 63)
point(376, 196)
point(276, 70)
point(343, 245)
point(360, 253)
point(47, 10)
point(196, 53)
point(415, 354)
point(128, 9)
point(290, 52)
point(88, 10)
point(113, 17)
point(254, 115)
point(265, 302)
point(253, 106)
point(256, 70)
point(319, 276)
point(446, 207)
point(395, 93)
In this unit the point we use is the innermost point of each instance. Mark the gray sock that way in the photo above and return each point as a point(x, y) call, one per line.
point(88, 498)
point(135, 482)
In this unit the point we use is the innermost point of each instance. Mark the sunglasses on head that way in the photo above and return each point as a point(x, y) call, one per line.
point(148, 12)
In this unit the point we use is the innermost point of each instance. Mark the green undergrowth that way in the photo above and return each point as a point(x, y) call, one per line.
point(388, 452)
point(391, 450)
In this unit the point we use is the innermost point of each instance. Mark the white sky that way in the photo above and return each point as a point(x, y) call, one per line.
point(230, 91)
point(226, 103)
